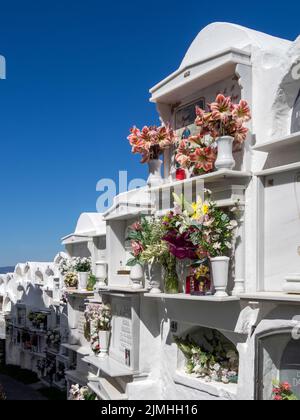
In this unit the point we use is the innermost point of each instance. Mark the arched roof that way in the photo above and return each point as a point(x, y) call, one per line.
point(90, 224)
point(220, 36)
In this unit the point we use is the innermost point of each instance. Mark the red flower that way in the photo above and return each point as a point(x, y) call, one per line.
point(286, 386)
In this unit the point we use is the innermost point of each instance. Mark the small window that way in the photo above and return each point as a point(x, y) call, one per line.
point(290, 366)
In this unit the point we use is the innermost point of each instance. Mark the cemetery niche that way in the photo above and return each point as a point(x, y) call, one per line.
point(183, 289)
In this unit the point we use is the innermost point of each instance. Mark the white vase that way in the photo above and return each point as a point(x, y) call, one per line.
point(220, 271)
point(104, 339)
point(155, 273)
point(155, 178)
point(101, 274)
point(137, 276)
point(292, 284)
point(225, 158)
point(83, 281)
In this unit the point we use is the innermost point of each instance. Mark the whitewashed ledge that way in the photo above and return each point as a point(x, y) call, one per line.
point(215, 389)
point(272, 297)
point(183, 296)
point(120, 289)
point(109, 366)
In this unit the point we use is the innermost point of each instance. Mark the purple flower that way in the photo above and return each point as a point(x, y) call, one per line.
point(180, 246)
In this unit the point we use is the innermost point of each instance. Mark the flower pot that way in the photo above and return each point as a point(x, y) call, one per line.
point(104, 339)
point(155, 273)
point(83, 281)
point(155, 178)
point(101, 274)
point(225, 158)
point(220, 270)
point(137, 276)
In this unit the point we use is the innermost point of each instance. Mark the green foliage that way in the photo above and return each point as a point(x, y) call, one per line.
point(90, 396)
point(91, 283)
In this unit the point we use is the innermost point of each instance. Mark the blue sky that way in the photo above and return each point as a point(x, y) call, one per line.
point(78, 75)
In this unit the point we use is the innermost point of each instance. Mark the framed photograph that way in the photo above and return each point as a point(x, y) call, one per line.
point(185, 116)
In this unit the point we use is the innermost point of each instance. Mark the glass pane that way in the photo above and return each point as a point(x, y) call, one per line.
point(290, 366)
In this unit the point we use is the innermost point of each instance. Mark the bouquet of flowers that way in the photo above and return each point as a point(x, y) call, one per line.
point(180, 225)
point(283, 392)
point(71, 280)
point(150, 142)
point(104, 322)
point(66, 266)
point(217, 231)
point(78, 393)
point(82, 265)
point(98, 318)
point(224, 119)
point(199, 230)
point(196, 155)
point(139, 234)
point(94, 340)
point(37, 319)
point(53, 338)
point(91, 331)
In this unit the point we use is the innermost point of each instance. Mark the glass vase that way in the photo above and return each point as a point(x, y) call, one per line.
point(171, 282)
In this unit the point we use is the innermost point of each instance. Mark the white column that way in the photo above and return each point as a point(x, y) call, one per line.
point(239, 264)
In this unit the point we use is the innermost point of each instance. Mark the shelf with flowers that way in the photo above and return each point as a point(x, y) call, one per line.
point(76, 273)
point(222, 130)
point(212, 360)
point(192, 244)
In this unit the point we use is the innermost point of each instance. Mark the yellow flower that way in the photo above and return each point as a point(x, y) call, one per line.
point(198, 209)
point(205, 208)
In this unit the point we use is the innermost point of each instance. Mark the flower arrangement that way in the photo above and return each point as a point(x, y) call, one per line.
point(149, 248)
point(219, 364)
point(104, 321)
point(91, 332)
point(82, 265)
point(198, 230)
point(224, 119)
point(53, 338)
point(98, 318)
point(37, 319)
point(78, 393)
point(150, 142)
point(283, 392)
point(71, 280)
point(2, 394)
point(66, 266)
point(139, 235)
point(196, 154)
point(217, 230)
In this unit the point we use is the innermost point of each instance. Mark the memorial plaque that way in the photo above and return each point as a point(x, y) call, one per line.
point(122, 331)
point(296, 116)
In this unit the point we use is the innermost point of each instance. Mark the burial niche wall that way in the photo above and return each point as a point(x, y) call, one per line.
point(278, 360)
